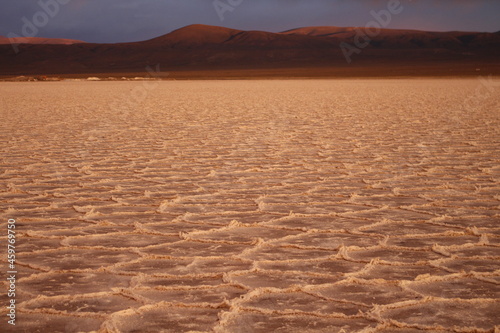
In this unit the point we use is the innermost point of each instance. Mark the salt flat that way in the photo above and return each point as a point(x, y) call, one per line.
point(252, 206)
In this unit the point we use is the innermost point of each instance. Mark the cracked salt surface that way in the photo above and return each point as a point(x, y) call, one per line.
point(253, 206)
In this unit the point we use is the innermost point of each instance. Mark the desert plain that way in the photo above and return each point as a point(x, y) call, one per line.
point(350, 205)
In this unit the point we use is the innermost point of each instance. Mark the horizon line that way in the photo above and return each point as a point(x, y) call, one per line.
point(249, 30)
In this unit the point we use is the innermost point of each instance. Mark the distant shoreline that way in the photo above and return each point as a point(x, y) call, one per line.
point(460, 71)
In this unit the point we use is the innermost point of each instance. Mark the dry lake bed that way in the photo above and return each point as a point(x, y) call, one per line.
point(251, 206)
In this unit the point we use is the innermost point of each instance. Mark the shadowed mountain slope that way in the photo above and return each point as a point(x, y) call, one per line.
point(209, 48)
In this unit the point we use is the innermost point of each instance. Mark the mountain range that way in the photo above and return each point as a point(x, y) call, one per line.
point(210, 51)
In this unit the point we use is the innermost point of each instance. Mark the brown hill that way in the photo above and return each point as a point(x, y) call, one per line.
point(37, 40)
point(211, 36)
point(309, 51)
point(321, 31)
point(391, 38)
point(195, 34)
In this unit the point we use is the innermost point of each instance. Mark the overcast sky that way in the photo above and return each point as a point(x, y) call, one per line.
point(107, 21)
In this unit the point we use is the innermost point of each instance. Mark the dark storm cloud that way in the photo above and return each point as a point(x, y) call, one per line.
point(132, 20)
